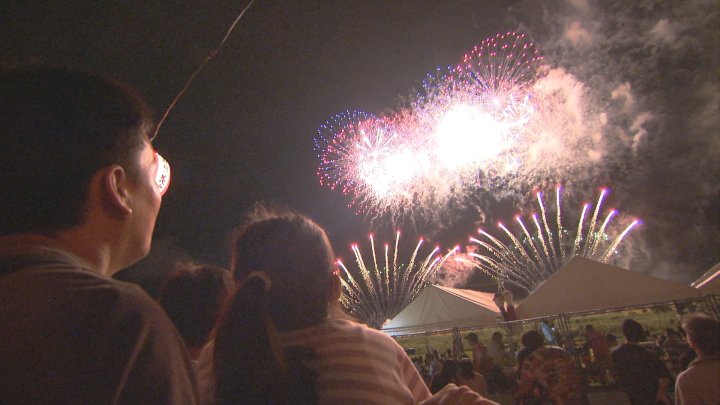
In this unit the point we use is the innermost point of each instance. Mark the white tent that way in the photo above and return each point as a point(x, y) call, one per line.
point(584, 285)
point(709, 283)
point(437, 308)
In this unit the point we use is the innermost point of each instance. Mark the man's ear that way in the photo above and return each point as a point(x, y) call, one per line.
point(114, 184)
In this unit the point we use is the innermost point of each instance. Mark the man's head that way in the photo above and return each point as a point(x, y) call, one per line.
point(703, 333)
point(472, 338)
point(497, 337)
point(75, 149)
point(632, 330)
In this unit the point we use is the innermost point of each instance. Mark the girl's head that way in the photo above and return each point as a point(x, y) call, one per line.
point(295, 254)
point(284, 267)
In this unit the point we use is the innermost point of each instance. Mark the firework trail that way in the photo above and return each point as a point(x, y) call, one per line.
point(386, 287)
point(527, 259)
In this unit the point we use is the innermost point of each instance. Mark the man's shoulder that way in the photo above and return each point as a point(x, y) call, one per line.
point(130, 302)
point(684, 375)
point(67, 282)
point(689, 377)
point(703, 365)
point(134, 298)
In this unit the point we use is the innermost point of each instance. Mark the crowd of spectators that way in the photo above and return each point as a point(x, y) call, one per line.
point(640, 366)
point(81, 191)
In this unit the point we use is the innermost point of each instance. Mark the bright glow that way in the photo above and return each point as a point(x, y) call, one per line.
point(387, 171)
point(467, 135)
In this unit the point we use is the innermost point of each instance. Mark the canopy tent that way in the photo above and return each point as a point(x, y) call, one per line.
point(584, 285)
point(709, 283)
point(437, 308)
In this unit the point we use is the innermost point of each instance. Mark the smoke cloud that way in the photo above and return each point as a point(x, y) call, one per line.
point(651, 70)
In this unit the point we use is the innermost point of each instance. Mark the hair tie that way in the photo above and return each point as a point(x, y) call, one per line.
point(262, 276)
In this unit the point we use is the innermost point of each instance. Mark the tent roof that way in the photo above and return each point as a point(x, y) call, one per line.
point(584, 285)
point(438, 308)
point(709, 283)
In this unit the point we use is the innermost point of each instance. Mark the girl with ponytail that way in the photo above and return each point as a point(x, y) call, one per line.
point(280, 340)
point(283, 264)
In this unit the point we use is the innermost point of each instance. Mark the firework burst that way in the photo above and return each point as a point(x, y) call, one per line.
point(381, 288)
point(503, 64)
point(532, 253)
point(498, 118)
point(464, 122)
point(368, 158)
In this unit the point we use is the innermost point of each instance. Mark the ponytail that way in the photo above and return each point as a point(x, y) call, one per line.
point(250, 366)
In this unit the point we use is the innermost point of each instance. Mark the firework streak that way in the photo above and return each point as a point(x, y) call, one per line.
point(384, 286)
point(528, 257)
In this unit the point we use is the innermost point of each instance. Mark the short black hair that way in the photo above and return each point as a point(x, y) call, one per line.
point(58, 127)
point(704, 332)
point(532, 339)
point(632, 330)
point(192, 297)
point(465, 367)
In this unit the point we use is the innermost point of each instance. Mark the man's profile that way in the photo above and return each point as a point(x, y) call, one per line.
point(78, 202)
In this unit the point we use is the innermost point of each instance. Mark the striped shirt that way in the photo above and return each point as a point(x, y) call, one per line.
point(358, 365)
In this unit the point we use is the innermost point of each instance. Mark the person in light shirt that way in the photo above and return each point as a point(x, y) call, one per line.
point(700, 383)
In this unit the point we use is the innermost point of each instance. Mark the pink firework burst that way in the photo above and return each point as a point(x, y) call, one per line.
point(503, 64)
point(368, 158)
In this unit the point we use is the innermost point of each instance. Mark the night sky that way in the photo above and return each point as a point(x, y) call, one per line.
point(244, 130)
